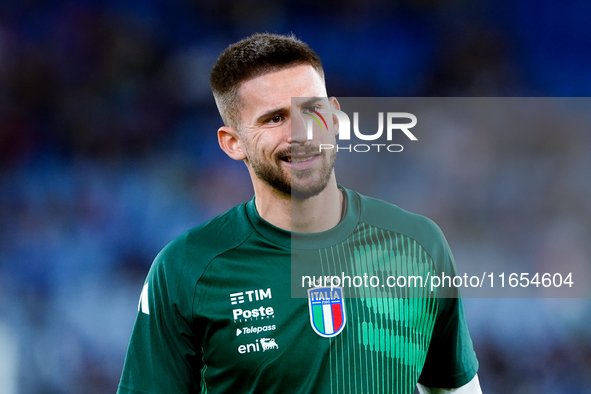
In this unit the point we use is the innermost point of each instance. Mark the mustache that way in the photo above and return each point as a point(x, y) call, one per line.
point(299, 150)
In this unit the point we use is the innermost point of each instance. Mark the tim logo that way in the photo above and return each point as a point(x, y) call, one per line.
point(247, 314)
point(327, 311)
point(252, 295)
point(264, 344)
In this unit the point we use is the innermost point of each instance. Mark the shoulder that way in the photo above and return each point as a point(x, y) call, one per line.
point(424, 231)
point(189, 254)
point(391, 217)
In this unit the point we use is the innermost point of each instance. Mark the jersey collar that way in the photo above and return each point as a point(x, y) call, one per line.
point(294, 240)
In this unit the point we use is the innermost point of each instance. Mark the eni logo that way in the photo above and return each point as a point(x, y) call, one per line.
point(265, 344)
point(269, 343)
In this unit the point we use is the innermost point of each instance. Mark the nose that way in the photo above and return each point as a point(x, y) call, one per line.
point(298, 130)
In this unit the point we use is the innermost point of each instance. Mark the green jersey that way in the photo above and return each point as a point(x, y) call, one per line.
point(218, 314)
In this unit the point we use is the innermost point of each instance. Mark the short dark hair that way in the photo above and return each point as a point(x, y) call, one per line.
point(249, 58)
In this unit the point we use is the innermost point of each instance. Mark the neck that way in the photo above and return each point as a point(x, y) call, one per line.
point(312, 215)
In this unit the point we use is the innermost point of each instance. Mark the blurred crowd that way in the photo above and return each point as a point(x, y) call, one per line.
point(108, 151)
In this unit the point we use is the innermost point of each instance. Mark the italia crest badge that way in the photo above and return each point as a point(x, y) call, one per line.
point(327, 310)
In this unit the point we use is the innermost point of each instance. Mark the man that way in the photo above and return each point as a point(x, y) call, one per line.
point(216, 313)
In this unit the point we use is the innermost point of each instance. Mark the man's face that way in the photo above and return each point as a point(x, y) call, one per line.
point(274, 135)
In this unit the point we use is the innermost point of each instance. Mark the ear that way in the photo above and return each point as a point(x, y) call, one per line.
point(334, 104)
point(231, 143)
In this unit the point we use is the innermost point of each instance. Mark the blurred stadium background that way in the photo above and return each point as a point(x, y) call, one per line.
point(108, 151)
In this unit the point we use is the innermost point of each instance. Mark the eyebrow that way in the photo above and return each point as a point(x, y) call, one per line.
point(271, 113)
point(312, 100)
point(278, 111)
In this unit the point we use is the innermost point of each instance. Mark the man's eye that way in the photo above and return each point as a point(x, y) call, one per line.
point(276, 119)
point(311, 108)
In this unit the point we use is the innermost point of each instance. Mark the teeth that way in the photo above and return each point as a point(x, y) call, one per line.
point(300, 159)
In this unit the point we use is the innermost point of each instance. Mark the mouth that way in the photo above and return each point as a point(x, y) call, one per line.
point(296, 160)
point(300, 162)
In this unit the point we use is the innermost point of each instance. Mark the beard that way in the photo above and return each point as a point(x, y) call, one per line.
point(299, 184)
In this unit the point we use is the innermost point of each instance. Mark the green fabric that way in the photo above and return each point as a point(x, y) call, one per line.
point(222, 318)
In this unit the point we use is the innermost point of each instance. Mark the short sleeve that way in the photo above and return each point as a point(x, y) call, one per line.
point(451, 361)
point(163, 355)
